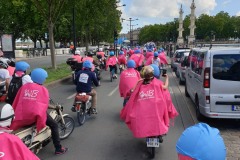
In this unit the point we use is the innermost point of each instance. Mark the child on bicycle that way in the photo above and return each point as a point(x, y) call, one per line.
point(112, 64)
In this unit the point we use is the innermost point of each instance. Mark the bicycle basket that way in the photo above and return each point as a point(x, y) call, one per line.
point(82, 97)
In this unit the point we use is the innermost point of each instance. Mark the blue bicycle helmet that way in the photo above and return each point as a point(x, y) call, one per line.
point(121, 53)
point(156, 70)
point(131, 64)
point(149, 50)
point(22, 66)
point(87, 64)
point(137, 51)
point(201, 142)
point(155, 54)
point(111, 53)
point(39, 75)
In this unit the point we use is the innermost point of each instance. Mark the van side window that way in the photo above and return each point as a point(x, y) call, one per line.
point(193, 59)
point(199, 65)
point(226, 67)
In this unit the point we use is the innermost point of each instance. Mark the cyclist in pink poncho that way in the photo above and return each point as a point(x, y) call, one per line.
point(30, 107)
point(11, 148)
point(112, 63)
point(138, 58)
point(146, 113)
point(128, 80)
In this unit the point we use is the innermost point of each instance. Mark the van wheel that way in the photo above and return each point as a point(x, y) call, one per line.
point(200, 117)
point(186, 92)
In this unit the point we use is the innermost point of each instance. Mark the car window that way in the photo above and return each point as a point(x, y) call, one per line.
point(179, 55)
point(226, 67)
point(196, 61)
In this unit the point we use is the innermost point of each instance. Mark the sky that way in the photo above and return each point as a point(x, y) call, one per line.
point(162, 11)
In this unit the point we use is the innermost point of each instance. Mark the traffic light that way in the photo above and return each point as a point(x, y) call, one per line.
point(115, 34)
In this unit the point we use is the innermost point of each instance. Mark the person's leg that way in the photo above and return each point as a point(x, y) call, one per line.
point(115, 66)
point(55, 135)
point(93, 93)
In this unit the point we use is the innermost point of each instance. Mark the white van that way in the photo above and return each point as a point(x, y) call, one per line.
point(213, 82)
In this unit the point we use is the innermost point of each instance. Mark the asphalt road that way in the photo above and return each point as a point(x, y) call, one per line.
point(44, 61)
point(105, 136)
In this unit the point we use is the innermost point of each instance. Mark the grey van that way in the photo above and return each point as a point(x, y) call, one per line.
point(213, 82)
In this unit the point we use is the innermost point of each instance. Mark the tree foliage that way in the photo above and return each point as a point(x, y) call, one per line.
point(95, 21)
point(222, 26)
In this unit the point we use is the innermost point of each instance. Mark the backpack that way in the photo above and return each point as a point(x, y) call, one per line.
point(13, 88)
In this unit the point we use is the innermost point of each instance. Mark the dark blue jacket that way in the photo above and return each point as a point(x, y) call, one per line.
point(84, 79)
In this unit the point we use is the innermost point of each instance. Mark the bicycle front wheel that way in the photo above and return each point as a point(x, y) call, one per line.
point(67, 128)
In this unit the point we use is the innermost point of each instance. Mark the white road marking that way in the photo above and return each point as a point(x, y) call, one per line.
point(70, 97)
point(111, 93)
point(170, 90)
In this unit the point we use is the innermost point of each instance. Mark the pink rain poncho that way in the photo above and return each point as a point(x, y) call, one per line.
point(149, 54)
point(101, 53)
point(78, 58)
point(128, 80)
point(149, 61)
point(12, 148)
point(172, 112)
point(87, 58)
point(11, 70)
point(30, 106)
point(163, 58)
point(138, 59)
point(111, 61)
point(146, 113)
point(122, 59)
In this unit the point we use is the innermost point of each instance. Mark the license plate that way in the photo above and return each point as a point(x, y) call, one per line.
point(235, 107)
point(152, 142)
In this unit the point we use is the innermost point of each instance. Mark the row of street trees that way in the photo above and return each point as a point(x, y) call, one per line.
point(95, 21)
point(222, 26)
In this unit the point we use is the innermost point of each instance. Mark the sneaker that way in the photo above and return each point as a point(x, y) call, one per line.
point(73, 109)
point(94, 111)
point(60, 151)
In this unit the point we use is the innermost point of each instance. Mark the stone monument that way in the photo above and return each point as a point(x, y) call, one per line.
point(180, 40)
point(191, 37)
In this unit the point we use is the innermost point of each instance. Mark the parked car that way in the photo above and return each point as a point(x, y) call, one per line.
point(175, 60)
point(106, 47)
point(181, 68)
point(213, 82)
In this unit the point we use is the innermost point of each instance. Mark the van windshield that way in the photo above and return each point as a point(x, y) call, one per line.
point(226, 67)
point(180, 54)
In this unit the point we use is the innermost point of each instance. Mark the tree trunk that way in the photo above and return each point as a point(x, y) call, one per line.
point(40, 41)
point(51, 43)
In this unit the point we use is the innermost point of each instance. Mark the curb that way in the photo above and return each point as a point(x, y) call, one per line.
point(57, 82)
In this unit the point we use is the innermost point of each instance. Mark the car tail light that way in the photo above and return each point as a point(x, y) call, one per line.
point(206, 80)
point(208, 99)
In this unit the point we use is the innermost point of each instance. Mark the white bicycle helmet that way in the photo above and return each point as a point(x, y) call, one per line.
point(77, 52)
point(4, 62)
point(6, 114)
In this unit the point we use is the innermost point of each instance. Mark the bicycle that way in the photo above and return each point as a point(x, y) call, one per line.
point(152, 143)
point(112, 73)
point(29, 53)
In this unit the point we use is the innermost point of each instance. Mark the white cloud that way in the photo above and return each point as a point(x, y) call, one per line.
point(238, 13)
point(168, 8)
point(226, 2)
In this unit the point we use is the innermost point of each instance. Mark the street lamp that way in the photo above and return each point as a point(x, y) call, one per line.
point(132, 32)
point(131, 36)
point(115, 34)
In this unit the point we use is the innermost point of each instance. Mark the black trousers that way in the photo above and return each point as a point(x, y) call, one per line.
point(54, 129)
point(113, 67)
